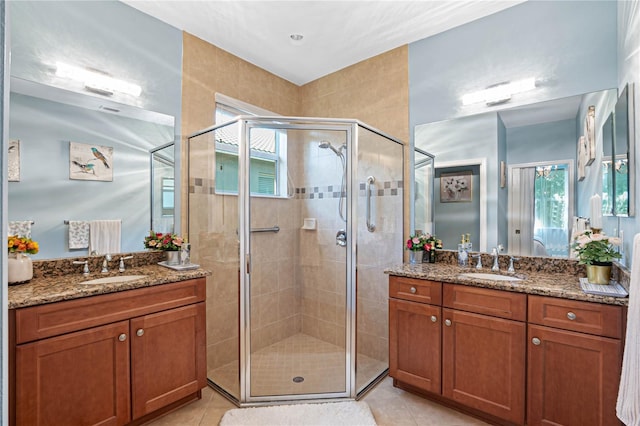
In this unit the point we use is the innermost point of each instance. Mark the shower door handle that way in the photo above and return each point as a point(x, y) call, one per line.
point(370, 226)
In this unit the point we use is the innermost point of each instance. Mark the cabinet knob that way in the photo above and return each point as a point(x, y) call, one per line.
point(122, 337)
point(536, 341)
point(434, 318)
point(139, 332)
point(447, 322)
point(413, 290)
point(571, 316)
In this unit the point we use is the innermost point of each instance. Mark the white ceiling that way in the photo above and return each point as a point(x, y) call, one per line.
point(336, 33)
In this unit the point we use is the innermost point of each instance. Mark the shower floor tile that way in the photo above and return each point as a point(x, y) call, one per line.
point(273, 368)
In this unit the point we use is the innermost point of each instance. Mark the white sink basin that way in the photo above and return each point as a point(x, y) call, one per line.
point(117, 279)
point(493, 277)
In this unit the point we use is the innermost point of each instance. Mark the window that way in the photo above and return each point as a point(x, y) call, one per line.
point(268, 156)
point(168, 205)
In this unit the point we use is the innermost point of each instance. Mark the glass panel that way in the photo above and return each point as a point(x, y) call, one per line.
point(379, 246)
point(297, 283)
point(608, 197)
point(162, 189)
point(423, 189)
point(551, 192)
point(213, 225)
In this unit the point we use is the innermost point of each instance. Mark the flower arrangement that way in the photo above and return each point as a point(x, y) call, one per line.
point(18, 244)
point(164, 242)
point(432, 242)
point(596, 248)
point(416, 242)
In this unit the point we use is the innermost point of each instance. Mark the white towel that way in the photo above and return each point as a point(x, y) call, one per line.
point(78, 234)
point(104, 236)
point(628, 407)
point(21, 228)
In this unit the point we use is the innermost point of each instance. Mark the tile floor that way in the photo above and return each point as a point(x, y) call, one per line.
point(390, 407)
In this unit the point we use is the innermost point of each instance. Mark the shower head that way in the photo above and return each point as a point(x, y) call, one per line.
point(327, 144)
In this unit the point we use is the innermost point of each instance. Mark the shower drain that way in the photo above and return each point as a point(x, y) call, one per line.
point(298, 379)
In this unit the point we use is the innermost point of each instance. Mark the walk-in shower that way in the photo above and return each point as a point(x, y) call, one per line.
point(297, 219)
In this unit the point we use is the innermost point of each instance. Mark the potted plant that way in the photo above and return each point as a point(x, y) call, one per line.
point(169, 243)
point(20, 266)
point(416, 244)
point(432, 243)
point(597, 252)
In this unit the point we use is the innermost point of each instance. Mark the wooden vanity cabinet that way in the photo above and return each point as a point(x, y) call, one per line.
point(573, 375)
point(112, 359)
point(483, 356)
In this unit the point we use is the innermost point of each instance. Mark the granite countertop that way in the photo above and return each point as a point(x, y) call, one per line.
point(566, 286)
point(41, 290)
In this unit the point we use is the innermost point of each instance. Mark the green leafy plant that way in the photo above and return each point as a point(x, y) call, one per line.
point(596, 248)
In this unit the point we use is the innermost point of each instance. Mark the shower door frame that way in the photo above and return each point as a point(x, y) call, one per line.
point(244, 196)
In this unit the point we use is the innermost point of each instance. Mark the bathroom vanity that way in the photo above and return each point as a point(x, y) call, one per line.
point(534, 351)
point(115, 353)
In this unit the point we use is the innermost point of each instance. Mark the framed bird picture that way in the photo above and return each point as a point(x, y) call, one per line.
point(90, 162)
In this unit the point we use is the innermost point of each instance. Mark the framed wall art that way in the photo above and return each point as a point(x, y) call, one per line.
point(455, 187)
point(90, 162)
point(13, 161)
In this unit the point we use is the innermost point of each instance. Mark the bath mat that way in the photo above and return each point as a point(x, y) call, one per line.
point(349, 413)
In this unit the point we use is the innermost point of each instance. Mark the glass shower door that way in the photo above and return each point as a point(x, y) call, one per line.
point(296, 285)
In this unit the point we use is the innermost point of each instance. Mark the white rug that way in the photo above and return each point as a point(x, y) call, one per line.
point(349, 413)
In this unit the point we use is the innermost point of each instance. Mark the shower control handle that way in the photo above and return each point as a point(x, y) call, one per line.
point(341, 238)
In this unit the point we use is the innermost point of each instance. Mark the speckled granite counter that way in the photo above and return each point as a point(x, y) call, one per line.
point(560, 285)
point(65, 287)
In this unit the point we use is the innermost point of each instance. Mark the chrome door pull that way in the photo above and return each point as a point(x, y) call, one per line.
point(370, 226)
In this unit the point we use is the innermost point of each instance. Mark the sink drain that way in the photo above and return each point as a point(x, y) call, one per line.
point(298, 379)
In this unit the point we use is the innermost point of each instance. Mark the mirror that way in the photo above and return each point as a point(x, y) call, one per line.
point(623, 154)
point(608, 197)
point(539, 135)
point(56, 184)
point(163, 188)
point(423, 190)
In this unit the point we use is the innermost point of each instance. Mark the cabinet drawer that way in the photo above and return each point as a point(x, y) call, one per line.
point(52, 319)
point(415, 290)
point(497, 303)
point(585, 317)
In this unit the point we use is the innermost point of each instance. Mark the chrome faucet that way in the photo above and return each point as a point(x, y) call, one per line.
point(85, 270)
point(479, 257)
point(122, 259)
point(494, 253)
point(511, 259)
point(105, 263)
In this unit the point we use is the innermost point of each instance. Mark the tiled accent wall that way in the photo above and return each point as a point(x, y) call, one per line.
point(389, 188)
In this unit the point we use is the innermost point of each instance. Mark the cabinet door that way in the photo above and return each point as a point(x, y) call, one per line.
point(483, 362)
point(572, 378)
point(414, 344)
point(168, 357)
point(79, 378)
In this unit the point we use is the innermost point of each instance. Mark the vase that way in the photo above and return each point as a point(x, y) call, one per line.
point(599, 273)
point(432, 256)
point(415, 256)
point(20, 268)
point(173, 257)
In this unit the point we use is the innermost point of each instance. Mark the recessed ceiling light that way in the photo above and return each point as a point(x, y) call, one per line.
point(296, 37)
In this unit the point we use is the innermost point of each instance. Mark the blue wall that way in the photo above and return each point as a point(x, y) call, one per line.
point(542, 142)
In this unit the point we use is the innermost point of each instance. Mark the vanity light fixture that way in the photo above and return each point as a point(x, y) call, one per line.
point(97, 81)
point(499, 93)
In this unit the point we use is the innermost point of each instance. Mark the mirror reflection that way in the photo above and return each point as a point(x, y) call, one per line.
point(539, 144)
point(163, 192)
point(107, 178)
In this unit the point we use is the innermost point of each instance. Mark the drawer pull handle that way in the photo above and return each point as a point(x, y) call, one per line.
point(122, 337)
point(434, 318)
point(413, 290)
point(536, 341)
point(447, 322)
point(571, 316)
point(140, 332)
